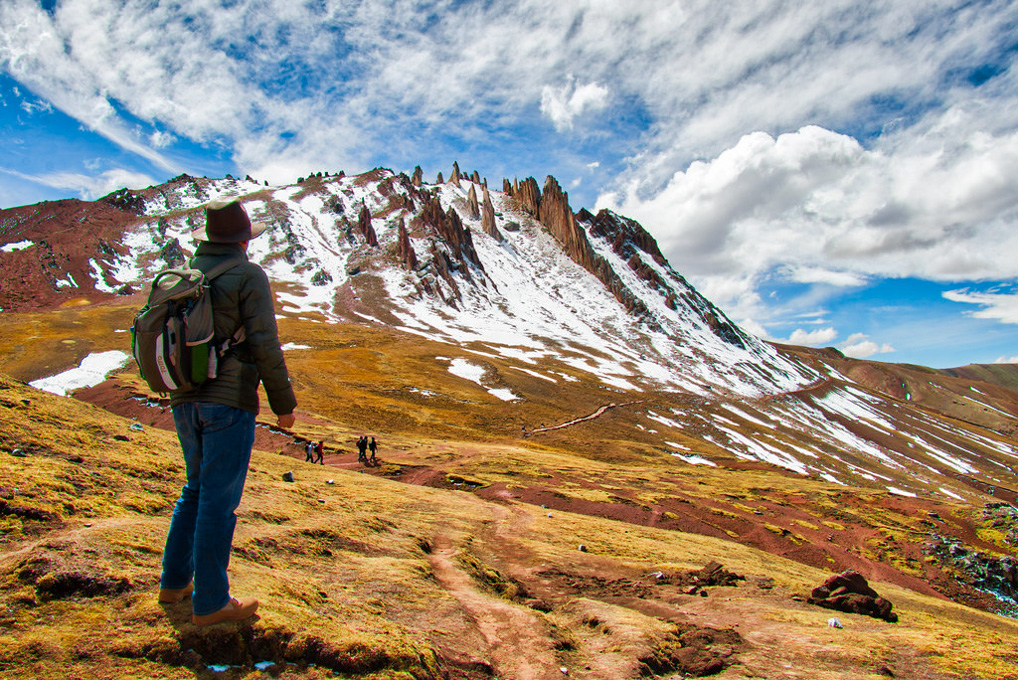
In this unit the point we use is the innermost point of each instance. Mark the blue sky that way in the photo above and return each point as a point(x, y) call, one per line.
point(838, 173)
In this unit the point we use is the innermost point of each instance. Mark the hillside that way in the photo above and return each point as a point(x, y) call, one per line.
point(419, 582)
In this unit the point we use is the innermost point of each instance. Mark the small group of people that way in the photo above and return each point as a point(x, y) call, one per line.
point(314, 452)
point(363, 446)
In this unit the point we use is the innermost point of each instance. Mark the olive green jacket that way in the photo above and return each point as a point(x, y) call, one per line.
point(241, 296)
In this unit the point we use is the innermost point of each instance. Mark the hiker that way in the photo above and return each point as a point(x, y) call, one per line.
point(309, 452)
point(319, 452)
point(373, 447)
point(215, 421)
point(362, 448)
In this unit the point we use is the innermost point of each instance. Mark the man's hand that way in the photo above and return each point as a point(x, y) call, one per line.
point(286, 421)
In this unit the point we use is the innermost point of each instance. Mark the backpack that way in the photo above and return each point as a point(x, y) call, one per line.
point(172, 335)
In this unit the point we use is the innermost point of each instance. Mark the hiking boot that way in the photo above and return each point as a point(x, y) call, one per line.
point(235, 610)
point(171, 596)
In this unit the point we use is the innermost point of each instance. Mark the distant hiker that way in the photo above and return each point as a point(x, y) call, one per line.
point(319, 452)
point(309, 452)
point(362, 449)
point(216, 421)
point(373, 448)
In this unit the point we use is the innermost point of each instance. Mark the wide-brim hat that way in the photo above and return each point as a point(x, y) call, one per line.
point(226, 221)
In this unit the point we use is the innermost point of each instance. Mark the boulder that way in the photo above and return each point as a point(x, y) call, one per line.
point(849, 592)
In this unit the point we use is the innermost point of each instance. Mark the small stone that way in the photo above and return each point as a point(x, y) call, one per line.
point(137, 427)
point(288, 476)
point(18, 453)
point(834, 622)
point(331, 481)
point(582, 548)
point(321, 500)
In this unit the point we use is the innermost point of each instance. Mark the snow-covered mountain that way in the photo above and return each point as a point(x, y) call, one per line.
point(437, 260)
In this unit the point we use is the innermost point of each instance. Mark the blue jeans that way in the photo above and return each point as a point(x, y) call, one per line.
point(216, 441)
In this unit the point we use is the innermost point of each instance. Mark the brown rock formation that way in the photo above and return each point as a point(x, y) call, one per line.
point(454, 178)
point(554, 212)
point(449, 228)
point(439, 180)
point(418, 177)
point(364, 226)
point(475, 210)
point(507, 188)
point(528, 195)
point(849, 592)
point(404, 249)
point(488, 218)
point(475, 177)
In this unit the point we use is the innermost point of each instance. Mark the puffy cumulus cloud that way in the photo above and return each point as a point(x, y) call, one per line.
point(859, 346)
point(999, 306)
point(822, 209)
point(820, 336)
point(564, 104)
point(1006, 360)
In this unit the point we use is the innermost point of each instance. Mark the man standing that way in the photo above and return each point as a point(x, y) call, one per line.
point(216, 421)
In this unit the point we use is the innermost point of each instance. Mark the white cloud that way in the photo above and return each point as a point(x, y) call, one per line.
point(90, 187)
point(1006, 360)
point(859, 346)
point(821, 336)
point(825, 210)
point(1001, 307)
point(564, 104)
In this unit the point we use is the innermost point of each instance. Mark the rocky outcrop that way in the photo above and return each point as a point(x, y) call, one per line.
point(454, 178)
point(993, 574)
point(126, 200)
point(448, 227)
point(418, 177)
point(404, 249)
point(628, 239)
point(475, 210)
point(528, 195)
point(554, 212)
point(849, 592)
point(172, 254)
point(488, 218)
point(364, 226)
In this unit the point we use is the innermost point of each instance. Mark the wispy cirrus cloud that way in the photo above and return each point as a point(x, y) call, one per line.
point(998, 306)
point(89, 187)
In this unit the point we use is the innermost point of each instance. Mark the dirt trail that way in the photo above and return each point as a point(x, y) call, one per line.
point(596, 414)
point(519, 644)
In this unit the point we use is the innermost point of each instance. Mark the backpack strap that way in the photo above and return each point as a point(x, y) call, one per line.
point(221, 268)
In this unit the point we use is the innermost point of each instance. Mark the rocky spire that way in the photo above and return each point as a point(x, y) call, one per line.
point(528, 195)
point(439, 180)
point(507, 188)
point(404, 249)
point(554, 212)
point(475, 177)
point(475, 211)
point(418, 177)
point(488, 218)
point(454, 178)
point(364, 226)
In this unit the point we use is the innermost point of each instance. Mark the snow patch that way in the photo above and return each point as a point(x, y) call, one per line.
point(93, 370)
